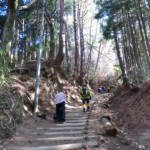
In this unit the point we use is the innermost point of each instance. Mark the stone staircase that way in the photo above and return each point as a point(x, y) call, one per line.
point(74, 134)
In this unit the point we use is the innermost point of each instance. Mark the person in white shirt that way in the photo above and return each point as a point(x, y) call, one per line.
point(60, 99)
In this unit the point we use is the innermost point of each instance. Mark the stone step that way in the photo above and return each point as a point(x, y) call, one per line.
point(75, 118)
point(63, 128)
point(71, 124)
point(58, 138)
point(58, 147)
point(66, 132)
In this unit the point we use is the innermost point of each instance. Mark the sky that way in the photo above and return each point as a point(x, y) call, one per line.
point(108, 58)
point(3, 7)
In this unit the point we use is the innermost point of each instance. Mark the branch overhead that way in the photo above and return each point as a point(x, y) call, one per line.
point(28, 5)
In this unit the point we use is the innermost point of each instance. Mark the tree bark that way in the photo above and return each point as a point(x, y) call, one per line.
point(119, 56)
point(52, 38)
point(28, 44)
point(144, 27)
point(76, 58)
point(144, 44)
point(60, 55)
point(109, 128)
point(28, 5)
point(82, 47)
point(9, 25)
point(136, 55)
point(133, 64)
point(148, 3)
point(67, 45)
point(91, 43)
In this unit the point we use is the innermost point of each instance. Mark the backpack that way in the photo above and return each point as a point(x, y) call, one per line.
point(84, 91)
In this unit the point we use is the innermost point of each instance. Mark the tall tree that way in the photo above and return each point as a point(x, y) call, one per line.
point(60, 55)
point(130, 23)
point(13, 8)
point(50, 14)
point(9, 25)
point(39, 59)
point(76, 60)
point(82, 44)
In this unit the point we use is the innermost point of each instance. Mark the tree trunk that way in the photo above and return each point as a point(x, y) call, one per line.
point(91, 43)
point(24, 42)
point(119, 57)
point(45, 43)
point(126, 44)
point(17, 55)
point(36, 32)
point(60, 55)
point(144, 44)
point(98, 56)
point(148, 3)
point(124, 49)
point(136, 55)
point(28, 43)
point(67, 46)
point(52, 42)
point(76, 60)
point(82, 47)
point(50, 21)
point(39, 59)
point(108, 126)
point(9, 26)
point(133, 64)
point(144, 27)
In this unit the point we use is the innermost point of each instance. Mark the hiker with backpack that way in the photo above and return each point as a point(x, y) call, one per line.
point(86, 97)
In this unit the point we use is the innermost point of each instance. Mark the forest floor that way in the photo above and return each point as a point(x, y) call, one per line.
point(131, 105)
point(127, 109)
point(126, 139)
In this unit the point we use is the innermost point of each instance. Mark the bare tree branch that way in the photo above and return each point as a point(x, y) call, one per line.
point(28, 5)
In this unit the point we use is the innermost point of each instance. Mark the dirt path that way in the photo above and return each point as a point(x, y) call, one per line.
point(46, 135)
point(80, 131)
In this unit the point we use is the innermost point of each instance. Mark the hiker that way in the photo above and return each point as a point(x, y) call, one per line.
point(60, 99)
point(86, 97)
point(102, 89)
point(99, 89)
point(108, 89)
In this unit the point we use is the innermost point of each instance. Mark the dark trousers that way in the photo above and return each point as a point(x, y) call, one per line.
point(60, 112)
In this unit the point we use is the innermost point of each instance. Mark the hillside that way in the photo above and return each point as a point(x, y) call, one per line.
point(17, 96)
point(128, 108)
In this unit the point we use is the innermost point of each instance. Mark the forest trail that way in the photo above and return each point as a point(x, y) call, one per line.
point(80, 131)
point(76, 133)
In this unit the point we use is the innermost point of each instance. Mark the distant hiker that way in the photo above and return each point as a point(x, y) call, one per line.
point(99, 89)
point(60, 99)
point(108, 89)
point(102, 89)
point(86, 96)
